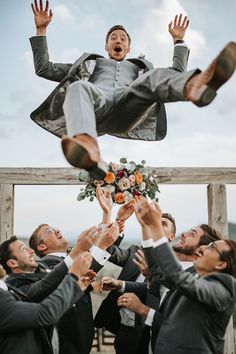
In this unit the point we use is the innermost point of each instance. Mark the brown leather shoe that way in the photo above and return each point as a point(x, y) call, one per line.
point(201, 88)
point(83, 152)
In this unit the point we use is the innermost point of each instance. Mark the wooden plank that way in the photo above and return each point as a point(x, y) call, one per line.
point(69, 176)
point(217, 208)
point(217, 218)
point(6, 211)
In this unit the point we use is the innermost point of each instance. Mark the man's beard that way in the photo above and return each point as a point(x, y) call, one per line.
point(188, 250)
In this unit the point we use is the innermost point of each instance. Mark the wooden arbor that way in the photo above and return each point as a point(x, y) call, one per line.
point(215, 179)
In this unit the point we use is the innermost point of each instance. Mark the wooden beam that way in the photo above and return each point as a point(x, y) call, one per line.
point(6, 211)
point(217, 208)
point(217, 218)
point(69, 176)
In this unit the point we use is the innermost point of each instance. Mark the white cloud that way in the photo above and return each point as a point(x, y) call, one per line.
point(153, 37)
point(62, 13)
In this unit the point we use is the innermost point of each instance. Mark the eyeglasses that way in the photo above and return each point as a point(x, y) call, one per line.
point(50, 230)
point(212, 245)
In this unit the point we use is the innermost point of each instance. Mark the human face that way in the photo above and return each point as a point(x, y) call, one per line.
point(117, 45)
point(23, 258)
point(167, 228)
point(189, 241)
point(210, 258)
point(51, 240)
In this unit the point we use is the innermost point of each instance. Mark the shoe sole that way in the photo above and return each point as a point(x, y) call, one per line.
point(224, 69)
point(79, 157)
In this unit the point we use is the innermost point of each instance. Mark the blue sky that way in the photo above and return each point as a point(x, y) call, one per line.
point(196, 137)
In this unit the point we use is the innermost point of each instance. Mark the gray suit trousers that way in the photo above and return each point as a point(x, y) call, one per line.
point(89, 108)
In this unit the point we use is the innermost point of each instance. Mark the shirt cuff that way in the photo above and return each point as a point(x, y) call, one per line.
point(159, 242)
point(181, 45)
point(99, 255)
point(122, 290)
point(147, 243)
point(150, 317)
point(68, 261)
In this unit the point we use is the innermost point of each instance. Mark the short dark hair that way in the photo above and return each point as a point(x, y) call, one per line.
point(34, 242)
point(172, 220)
point(117, 27)
point(6, 253)
point(230, 258)
point(209, 235)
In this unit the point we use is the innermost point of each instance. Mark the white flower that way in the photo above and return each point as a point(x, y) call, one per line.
point(128, 196)
point(124, 183)
point(111, 188)
point(142, 186)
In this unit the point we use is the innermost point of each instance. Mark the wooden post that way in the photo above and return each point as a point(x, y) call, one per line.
point(217, 218)
point(6, 211)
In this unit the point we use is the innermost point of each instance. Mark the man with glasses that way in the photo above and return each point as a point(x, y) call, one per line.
point(76, 329)
point(186, 251)
point(199, 308)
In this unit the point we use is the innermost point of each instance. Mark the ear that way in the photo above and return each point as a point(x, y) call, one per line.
point(106, 47)
point(171, 237)
point(42, 247)
point(12, 263)
point(221, 266)
point(128, 50)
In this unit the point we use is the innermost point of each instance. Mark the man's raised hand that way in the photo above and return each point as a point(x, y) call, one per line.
point(178, 27)
point(42, 16)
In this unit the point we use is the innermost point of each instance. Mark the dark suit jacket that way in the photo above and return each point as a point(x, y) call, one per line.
point(108, 315)
point(196, 315)
point(75, 328)
point(20, 321)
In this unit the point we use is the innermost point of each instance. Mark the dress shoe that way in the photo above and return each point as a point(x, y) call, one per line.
point(201, 88)
point(82, 151)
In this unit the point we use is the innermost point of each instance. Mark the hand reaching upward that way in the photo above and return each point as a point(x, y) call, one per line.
point(42, 17)
point(178, 27)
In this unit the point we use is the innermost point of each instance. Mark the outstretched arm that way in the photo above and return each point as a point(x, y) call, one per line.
point(42, 17)
point(43, 67)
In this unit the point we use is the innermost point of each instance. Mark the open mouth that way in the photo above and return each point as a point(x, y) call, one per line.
point(117, 49)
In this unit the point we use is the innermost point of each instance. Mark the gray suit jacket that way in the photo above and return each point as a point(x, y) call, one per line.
point(197, 313)
point(50, 116)
point(19, 321)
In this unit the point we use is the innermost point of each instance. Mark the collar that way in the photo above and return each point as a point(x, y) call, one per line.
point(3, 285)
point(186, 265)
point(58, 254)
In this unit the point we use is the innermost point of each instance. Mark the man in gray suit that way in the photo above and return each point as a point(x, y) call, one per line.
point(203, 305)
point(122, 97)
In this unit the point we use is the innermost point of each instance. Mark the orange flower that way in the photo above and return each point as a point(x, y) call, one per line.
point(110, 178)
point(139, 177)
point(119, 198)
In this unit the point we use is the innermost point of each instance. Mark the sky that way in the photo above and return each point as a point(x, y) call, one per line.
point(202, 137)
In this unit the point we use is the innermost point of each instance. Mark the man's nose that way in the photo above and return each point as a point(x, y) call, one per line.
point(31, 251)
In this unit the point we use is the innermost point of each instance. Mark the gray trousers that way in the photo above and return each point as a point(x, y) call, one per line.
point(90, 108)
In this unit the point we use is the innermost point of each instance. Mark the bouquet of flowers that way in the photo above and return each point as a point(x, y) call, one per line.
point(124, 180)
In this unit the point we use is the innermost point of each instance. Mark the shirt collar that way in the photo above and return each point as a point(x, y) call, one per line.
point(186, 265)
point(58, 254)
point(3, 285)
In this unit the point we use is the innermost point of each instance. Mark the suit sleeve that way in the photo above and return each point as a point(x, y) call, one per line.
point(140, 289)
point(43, 67)
point(180, 58)
point(215, 291)
point(44, 287)
point(119, 256)
point(18, 316)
